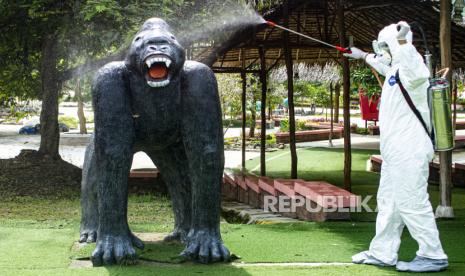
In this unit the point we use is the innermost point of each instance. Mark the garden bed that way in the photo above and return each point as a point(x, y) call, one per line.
point(309, 135)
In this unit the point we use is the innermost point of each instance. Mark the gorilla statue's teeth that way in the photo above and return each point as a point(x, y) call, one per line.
point(149, 62)
point(156, 84)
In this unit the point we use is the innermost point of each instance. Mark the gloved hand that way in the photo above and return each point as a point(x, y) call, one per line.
point(403, 29)
point(356, 53)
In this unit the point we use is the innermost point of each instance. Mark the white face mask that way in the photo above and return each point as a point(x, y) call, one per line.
point(382, 52)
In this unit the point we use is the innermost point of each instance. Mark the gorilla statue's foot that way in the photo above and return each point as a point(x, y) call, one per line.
point(116, 249)
point(178, 235)
point(205, 246)
point(88, 234)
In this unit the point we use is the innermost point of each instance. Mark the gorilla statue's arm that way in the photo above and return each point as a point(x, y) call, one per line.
point(114, 138)
point(203, 140)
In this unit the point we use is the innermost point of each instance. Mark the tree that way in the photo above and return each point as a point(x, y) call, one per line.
point(44, 43)
point(229, 87)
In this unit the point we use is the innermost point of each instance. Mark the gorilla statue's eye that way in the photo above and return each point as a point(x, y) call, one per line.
point(172, 37)
point(137, 38)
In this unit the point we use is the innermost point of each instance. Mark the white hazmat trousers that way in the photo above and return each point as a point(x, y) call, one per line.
point(406, 150)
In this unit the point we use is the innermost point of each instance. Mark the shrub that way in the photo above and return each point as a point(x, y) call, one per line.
point(299, 125)
point(71, 122)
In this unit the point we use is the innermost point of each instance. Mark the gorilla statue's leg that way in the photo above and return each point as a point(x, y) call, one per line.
point(203, 142)
point(114, 142)
point(174, 169)
point(89, 201)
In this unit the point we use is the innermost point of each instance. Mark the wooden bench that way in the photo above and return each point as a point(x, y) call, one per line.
point(377, 161)
point(229, 188)
point(242, 189)
point(143, 180)
point(254, 197)
point(458, 175)
point(285, 187)
point(266, 186)
point(144, 173)
point(460, 125)
point(309, 135)
point(459, 141)
point(325, 201)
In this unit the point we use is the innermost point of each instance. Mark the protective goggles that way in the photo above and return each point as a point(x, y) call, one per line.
point(380, 47)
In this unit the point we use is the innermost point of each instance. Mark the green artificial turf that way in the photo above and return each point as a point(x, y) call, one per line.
point(37, 236)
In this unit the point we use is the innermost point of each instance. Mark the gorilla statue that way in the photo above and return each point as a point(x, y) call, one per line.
point(157, 102)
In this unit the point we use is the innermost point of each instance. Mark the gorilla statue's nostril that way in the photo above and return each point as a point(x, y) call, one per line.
point(152, 48)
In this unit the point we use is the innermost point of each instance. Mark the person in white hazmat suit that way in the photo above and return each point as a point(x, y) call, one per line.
point(406, 150)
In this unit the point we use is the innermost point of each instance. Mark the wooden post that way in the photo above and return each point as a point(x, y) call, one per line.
point(454, 94)
point(346, 97)
point(331, 88)
point(263, 111)
point(244, 118)
point(444, 210)
point(290, 93)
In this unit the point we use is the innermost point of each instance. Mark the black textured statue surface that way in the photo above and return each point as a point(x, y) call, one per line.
point(155, 102)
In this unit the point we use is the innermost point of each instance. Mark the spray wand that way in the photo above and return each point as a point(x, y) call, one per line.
point(339, 48)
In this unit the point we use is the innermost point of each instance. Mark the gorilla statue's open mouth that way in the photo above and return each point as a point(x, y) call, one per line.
point(158, 70)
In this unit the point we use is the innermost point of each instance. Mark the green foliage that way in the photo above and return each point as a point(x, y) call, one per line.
point(232, 123)
point(299, 125)
point(71, 122)
point(230, 90)
point(284, 125)
point(362, 77)
point(82, 31)
point(319, 94)
point(362, 131)
point(269, 140)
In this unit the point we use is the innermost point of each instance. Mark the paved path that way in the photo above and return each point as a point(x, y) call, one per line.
point(250, 215)
point(73, 145)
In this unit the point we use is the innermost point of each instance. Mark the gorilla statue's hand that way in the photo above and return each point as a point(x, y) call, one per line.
point(205, 246)
point(116, 249)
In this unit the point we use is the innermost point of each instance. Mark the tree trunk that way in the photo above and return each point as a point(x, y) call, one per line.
point(49, 131)
point(80, 111)
point(290, 94)
point(337, 94)
point(346, 98)
point(444, 209)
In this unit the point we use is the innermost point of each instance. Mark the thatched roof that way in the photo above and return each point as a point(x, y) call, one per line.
point(363, 20)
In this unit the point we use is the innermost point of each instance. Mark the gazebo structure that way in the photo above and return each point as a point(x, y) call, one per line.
point(341, 22)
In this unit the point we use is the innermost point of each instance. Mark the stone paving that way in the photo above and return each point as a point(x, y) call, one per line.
point(250, 215)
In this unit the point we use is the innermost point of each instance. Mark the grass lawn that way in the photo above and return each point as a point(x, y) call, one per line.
point(37, 235)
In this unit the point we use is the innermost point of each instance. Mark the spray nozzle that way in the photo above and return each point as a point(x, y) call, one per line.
point(343, 50)
point(270, 23)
